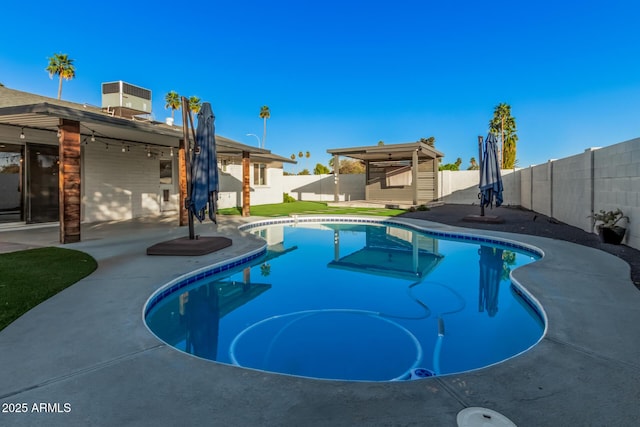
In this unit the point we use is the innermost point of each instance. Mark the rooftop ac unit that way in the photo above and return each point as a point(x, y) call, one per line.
point(125, 100)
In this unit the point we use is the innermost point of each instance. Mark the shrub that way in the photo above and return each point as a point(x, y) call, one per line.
point(287, 198)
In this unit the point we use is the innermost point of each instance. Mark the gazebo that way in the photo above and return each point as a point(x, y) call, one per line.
point(403, 173)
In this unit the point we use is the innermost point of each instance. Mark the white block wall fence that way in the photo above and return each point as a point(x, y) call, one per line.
point(568, 189)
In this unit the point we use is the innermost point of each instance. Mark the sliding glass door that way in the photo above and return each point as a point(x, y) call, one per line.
point(11, 182)
point(42, 183)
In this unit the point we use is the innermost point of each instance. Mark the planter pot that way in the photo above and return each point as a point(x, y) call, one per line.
point(613, 235)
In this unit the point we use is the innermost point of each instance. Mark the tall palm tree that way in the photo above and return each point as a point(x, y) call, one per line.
point(195, 104)
point(173, 101)
point(265, 113)
point(504, 125)
point(62, 66)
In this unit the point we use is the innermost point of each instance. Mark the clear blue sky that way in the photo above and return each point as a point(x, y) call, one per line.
point(340, 73)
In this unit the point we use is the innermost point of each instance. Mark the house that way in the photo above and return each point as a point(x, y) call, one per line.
point(403, 173)
point(73, 163)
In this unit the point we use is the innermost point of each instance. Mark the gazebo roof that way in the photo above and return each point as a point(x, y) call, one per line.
point(388, 152)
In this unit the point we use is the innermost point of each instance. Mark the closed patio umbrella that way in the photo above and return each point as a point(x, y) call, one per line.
point(204, 170)
point(490, 177)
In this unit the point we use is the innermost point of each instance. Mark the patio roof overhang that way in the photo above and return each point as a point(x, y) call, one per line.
point(392, 152)
point(27, 111)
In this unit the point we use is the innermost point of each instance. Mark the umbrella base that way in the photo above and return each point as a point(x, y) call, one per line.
point(184, 246)
point(487, 219)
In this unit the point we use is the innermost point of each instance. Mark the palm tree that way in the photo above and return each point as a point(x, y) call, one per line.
point(265, 113)
point(195, 104)
point(504, 125)
point(62, 66)
point(172, 100)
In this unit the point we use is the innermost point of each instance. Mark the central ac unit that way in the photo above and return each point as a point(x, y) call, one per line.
point(125, 100)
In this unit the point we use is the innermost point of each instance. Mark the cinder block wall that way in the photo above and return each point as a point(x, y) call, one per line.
point(572, 189)
point(617, 184)
point(541, 181)
point(461, 187)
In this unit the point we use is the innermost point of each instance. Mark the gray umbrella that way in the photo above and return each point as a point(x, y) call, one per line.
point(490, 177)
point(204, 170)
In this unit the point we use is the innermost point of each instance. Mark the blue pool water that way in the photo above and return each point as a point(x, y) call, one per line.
point(370, 302)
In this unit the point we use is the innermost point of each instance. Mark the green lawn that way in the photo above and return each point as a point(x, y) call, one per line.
point(29, 277)
point(309, 208)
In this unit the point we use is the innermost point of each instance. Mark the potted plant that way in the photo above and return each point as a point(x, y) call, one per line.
point(606, 224)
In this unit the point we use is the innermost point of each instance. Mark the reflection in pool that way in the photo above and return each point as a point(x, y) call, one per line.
point(357, 302)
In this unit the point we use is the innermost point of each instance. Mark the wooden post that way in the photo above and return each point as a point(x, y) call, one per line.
point(182, 184)
point(246, 184)
point(69, 181)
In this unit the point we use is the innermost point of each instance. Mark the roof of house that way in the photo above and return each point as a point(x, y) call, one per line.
point(30, 111)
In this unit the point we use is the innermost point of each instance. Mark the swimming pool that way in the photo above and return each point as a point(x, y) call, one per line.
point(355, 299)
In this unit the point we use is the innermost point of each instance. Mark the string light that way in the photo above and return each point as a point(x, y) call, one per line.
point(22, 133)
point(93, 136)
point(171, 153)
point(123, 148)
point(59, 133)
point(107, 144)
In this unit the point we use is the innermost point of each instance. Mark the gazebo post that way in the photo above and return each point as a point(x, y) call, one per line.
point(336, 178)
point(414, 175)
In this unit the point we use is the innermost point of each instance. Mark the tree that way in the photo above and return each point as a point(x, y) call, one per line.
point(300, 154)
point(195, 104)
point(451, 166)
point(503, 125)
point(351, 167)
point(431, 141)
point(321, 169)
point(265, 113)
point(62, 66)
point(304, 171)
point(293, 157)
point(381, 142)
point(172, 100)
point(474, 164)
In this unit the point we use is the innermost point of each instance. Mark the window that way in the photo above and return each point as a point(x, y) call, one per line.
point(166, 172)
point(259, 174)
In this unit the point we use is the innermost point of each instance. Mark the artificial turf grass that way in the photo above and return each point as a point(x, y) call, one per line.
point(29, 277)
point(302, 208)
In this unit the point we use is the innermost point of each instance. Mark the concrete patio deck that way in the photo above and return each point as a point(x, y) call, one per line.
point(89, 348)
